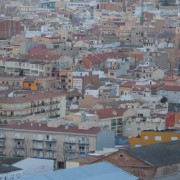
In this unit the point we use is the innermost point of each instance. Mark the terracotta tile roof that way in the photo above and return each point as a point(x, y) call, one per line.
point(43, 127)
point(170, 88)
point(31, 97)
point(109, 112)
point(99, 58)
point(128, 84)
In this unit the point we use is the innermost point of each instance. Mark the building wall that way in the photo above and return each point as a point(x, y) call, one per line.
point(46, 107)
point(153, 137)
point(133, 127)
point(130, 164)
point(30, 85)
point(44, 144)
point(105, 139)
point(9, 28)
point(172, 96)
point(166, 170)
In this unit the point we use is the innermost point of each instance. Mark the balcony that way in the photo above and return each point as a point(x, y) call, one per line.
point(41, 104)
point(2, 137)
point(55, 102)
point(39, 148)
point(84, 142)
point(50, 149)
point(18, 138)
point(37, 140)
point(2, 146)
point(50, 140)
point(70, 150)
point(18, 155)
point(70, 142)
point(19, 147)
point(82, 152)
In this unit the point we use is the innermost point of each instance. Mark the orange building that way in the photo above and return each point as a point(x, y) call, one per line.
point(148, 137)
point(30, 84)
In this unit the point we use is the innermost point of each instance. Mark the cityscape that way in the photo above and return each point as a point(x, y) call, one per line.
point(89, 89)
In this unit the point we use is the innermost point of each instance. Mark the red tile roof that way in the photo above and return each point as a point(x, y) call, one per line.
point(99, 58)
point(170, 88)
point(30, 97)
point(43, 127)
point(109, 112)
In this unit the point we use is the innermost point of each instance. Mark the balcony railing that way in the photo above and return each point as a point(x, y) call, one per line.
point(37, 148)
point(70, 142)
point(38, 140)
point(2, 146)
point(84, 142)
point(19, 147)
point(19, 138)
point(50, 140)
point(50, 149)
point(2, 137)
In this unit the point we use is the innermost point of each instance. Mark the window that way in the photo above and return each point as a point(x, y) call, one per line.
point(174, 138)
point(146, 137)
point(158, 138)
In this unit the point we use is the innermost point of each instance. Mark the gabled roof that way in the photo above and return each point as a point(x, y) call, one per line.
point(158, 155)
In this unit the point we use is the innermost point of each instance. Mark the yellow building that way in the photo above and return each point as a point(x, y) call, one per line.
point(152, 137)
point(30, 84)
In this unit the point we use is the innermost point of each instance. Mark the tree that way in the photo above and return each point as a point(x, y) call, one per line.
point(21, 72)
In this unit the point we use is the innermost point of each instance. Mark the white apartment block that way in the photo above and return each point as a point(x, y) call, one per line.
point(14, 66)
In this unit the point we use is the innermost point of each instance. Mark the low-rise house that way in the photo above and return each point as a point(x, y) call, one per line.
point(148, 137)
point(17, 168)
point(147, 162)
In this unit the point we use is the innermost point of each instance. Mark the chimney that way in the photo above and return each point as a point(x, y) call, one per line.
point(114, 112)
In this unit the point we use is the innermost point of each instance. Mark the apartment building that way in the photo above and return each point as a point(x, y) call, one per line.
point(52, 141)
point(35, 68)
point(134, 125)
point(32, 105)
point(152, 137)
point(113, 118)
point(9, 28)
point(172, 93)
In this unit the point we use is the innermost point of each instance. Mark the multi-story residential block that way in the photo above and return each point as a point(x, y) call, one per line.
point(52, 141)
point(34, 68)
point(153, 73)
point(32, 105)
point(113, 118)
point(80, 83)
point(148, 137)
point(9, 28)
point(134, 126)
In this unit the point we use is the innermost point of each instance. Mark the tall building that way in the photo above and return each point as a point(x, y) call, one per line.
point(9, 28)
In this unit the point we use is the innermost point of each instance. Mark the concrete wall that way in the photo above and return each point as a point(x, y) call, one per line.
point(105, 139)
